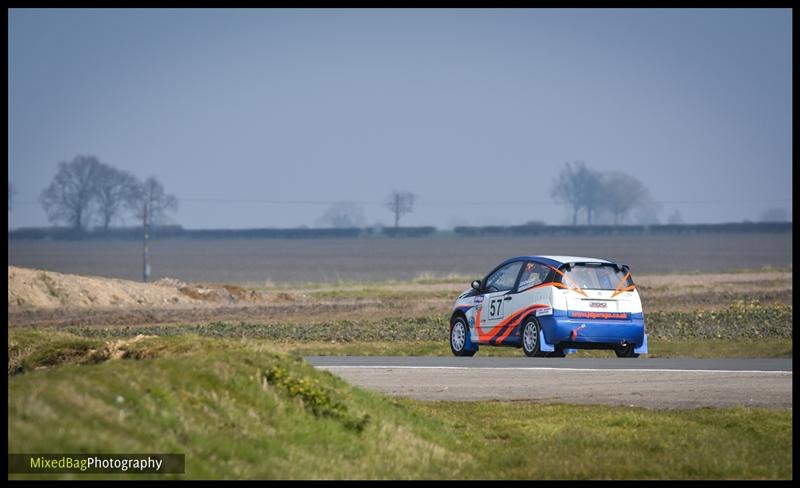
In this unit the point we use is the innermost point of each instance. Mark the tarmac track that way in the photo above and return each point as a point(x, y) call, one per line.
point(651, 383)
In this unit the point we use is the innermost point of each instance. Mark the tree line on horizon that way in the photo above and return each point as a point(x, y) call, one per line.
point(342, 215)
point(586, 192)
point(86, 191)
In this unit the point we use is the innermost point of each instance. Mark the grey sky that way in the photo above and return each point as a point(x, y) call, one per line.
point(481, 106)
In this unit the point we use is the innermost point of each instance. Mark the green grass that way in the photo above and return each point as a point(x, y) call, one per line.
point(241, 409)
point(740, 319)
point(720, 348)
point(29, 350)
point(743, 329)
point(733, 322)
point(425, 328)
point(521, 440)
point(741, 324)
point(220, 403)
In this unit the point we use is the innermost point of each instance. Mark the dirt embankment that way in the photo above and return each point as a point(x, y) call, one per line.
point(30, 289)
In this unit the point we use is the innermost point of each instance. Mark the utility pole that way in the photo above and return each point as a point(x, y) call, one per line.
point(145, 226)
point(396, 210)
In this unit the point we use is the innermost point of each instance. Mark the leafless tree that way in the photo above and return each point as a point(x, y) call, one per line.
point(150, 204)
point(675, 217)
point(775, 214)
point(400, 203)
point(621, 193)
point(579, 187)
point(71, 195)
point(648, 212)
point(114, 188)
point(342, 215)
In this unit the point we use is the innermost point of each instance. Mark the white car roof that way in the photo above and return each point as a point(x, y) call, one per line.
point(575, 259)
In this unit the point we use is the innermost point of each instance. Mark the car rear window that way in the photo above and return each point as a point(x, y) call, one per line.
point(596, 277)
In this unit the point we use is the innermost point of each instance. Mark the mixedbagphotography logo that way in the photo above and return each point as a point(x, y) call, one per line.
point(96, 463)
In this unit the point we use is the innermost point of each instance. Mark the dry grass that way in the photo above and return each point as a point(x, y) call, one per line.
point(221, 403)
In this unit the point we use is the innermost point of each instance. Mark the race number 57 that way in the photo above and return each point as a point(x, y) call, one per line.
point(496, 308)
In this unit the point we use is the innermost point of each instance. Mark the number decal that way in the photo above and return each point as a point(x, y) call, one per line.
point(496, 308)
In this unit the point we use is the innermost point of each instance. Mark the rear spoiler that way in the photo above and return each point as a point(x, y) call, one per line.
point(617, 266)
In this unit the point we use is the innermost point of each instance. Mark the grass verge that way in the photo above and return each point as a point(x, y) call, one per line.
point(240, 409)
point(31, 349)
point(531, 441)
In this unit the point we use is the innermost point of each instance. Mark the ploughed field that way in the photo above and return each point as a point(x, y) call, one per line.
point(281, 261)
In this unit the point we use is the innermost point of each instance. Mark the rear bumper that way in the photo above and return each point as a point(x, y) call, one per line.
point(558, 329)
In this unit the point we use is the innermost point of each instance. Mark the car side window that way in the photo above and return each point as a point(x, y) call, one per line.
point(532, 275)
point(504, 278)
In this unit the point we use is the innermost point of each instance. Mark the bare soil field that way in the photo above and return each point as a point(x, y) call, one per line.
point(293, 261)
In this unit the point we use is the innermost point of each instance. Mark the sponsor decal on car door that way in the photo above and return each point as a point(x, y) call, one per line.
point(493, 309)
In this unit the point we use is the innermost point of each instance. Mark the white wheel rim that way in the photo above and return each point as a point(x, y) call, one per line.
point(529, 336)
point(459, 336)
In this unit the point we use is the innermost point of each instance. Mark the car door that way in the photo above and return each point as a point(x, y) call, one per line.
point(495, 306)
point(523, 297)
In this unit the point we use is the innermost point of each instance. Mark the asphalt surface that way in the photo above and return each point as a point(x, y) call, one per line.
point(651, 383)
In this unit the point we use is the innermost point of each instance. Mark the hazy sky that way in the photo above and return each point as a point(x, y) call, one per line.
point(456, 106)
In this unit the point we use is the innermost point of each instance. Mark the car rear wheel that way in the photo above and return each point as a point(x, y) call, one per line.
point(626, 352)
point(458, 338)
point(530, 339)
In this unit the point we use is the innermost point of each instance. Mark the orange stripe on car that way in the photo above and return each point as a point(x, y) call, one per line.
point(623, 290)
point(557, 285)
point(618, 289)
point(510, 322)
point(565, 277)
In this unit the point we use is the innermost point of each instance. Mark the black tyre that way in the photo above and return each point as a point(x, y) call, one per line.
point(626, 352)
point(530, 338)
point(458, 337)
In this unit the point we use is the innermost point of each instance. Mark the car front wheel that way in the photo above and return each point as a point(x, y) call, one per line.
point(458, 338)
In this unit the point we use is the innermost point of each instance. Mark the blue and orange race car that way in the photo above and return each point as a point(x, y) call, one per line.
point(551, 306)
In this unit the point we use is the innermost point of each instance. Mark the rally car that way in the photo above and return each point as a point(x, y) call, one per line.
point(551, 306)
